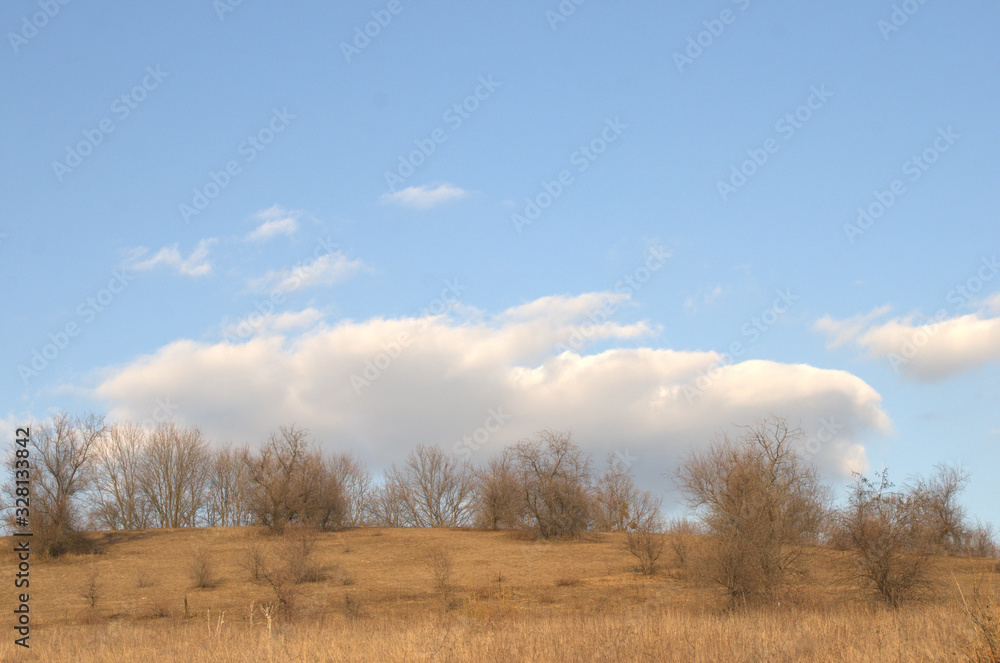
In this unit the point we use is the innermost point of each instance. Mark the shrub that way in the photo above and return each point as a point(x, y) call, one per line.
point(441, 562)
point(759, 503)
point(202, 568)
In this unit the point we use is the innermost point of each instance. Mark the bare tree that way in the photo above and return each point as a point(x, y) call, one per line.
point(498, 495)
point(938, 513)
point(389, 504)
point(61, 460)
point(118, 501)
point(291, 484)
point(555, 477)
point(881, 528)
point(759, 502)
point(644, 532)
point(436, 488)
point(228, 500)
point(618, 502)
point(175, 475)
point(356, 484)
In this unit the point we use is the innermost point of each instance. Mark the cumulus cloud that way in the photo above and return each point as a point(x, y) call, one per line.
point(196, 264)
point(922, 348)
point(325, 270)
point(425, 197)
point(381, 386)
point(275, 220)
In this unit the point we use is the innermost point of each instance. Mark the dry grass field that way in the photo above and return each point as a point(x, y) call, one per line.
point(467, 595)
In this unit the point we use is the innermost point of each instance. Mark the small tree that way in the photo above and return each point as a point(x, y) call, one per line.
point(202, 568)
point(555, 476)
point(498, 498)
point(882, 529)
point(644, 536)
point(759, 503)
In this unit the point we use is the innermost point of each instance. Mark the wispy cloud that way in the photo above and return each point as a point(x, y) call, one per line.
point(326, 270)
point(196, 264)
point(275, 220)
point(425, 197)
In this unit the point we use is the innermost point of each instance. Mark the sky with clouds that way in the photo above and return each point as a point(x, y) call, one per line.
point(397, 223)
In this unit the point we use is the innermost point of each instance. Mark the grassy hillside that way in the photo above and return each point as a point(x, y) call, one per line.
point(458, 595)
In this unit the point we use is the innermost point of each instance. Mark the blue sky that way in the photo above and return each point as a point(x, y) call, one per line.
point(205, 217)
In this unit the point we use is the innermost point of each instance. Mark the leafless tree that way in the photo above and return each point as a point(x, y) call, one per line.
point(175, 475)
point(759, 502)
point(618, 502)
point(555, 478)
point(939, 515)
point(644, 531)
point(436, 488)
point(61, 457)
point(228, 502)
point(389, 503)
point(498, 495)
point(356, 484)
point(291, 484)
point(118, 501)
point(881, 528)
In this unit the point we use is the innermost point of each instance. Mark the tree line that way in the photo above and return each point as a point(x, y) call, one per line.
point(88, 474)
point(757, 500)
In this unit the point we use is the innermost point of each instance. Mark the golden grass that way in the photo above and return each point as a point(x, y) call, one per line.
point(506, 599)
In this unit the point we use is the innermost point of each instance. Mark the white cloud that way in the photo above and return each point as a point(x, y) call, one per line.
point(921, 348)
point(435, 379)
point(328, 269)
point(841, 332)
point(276, 221)
point(196, 264)
point(425, 197)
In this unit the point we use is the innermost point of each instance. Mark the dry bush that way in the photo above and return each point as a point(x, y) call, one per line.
point(556, 477)
point(981, 541)
point(982, 613)
point(441, 563)
point(679, 533)
point(882, 529)
point(644, 538)
point(92, 588)
point(202, 568)
point(251, 556)
point(144, 579)
point(567, 581)
point(157, 607)
point(354, 605)
point(297, 553)
point(498, 502)
point(759, 503)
